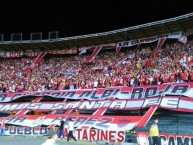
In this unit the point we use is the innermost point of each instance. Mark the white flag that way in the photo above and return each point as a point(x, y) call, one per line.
point(183, 39)
point(83, 51)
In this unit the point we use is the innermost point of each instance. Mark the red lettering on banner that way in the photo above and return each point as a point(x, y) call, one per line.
point(82, 134)
point(112, 136)
point(104, 135)
point(85, 136)
point(92, 134)
point(120, 136)
point(78, 130)
point(98, 135)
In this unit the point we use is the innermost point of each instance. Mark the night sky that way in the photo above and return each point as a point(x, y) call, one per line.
point(76, 17)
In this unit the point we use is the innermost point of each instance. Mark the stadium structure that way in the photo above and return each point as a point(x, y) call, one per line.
point(112, 84)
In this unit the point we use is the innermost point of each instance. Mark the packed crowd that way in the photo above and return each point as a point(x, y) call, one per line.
point(131, 67)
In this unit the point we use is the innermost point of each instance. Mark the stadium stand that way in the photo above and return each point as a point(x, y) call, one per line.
point(144, 65)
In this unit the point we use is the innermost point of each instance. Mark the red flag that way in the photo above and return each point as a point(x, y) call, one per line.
point(190, 62)
point(117, 50)
point(36, 61)
point(94, 54)
point(161, 42)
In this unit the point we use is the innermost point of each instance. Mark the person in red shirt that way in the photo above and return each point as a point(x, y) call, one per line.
point(172, 78)
point(141, 81)
point(185, 76)
point(2, 127)
point(165, 78)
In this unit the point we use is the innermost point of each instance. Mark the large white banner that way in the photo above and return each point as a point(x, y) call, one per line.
point(177, 89)
point(146, 40)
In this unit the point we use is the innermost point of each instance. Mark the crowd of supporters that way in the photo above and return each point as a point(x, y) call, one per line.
point(143, 65)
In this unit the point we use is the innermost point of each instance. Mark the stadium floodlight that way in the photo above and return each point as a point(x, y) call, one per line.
point(17, 37)
point(37, 36)
point(1, 38)
point(53, 35)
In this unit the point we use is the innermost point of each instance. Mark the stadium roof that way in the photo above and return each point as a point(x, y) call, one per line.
point(157, 28)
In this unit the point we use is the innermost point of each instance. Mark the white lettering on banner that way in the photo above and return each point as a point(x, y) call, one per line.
point(170, 102)
point(176, 89)
point(151, 102)
point(118, 104)
point(87, 105)
point(101, 104)
point(71, 105)
point(145, 40)
point(8, 107)
point(22, 106)
point(58, 106)
point(34, 106)
point(90, 121)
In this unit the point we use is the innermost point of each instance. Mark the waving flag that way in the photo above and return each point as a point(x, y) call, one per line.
point(183, 39)
point(36, 62)
point(94, 54)
point(83, 51)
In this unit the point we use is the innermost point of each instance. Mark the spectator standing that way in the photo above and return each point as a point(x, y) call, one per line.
point(70, 129)
point(3, 121)
point(154, 133)
point(61, 129)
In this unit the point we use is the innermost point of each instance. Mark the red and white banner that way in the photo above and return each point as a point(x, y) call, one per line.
point(183, 39)
point(177, 103)
point(39, 58)
point(145, 40)
point(80, 134)
point(161, 42)
point(143, 138)
point(30, 53)
point(117, 50)
point(11, 54)
point(95, 120)
point(175, 89)
point(111, 45)
point(190, 62)
point(64, 51)
point(94, 54)
point(36, 62)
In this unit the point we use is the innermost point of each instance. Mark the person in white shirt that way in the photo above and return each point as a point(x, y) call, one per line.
point(95, 84)
point(70, 130)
